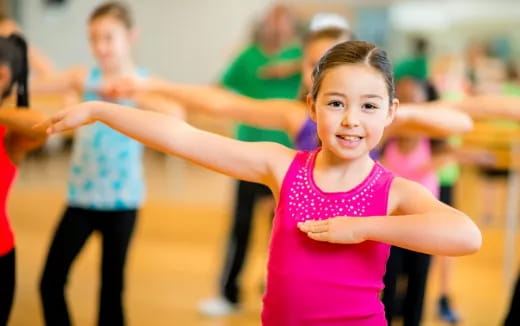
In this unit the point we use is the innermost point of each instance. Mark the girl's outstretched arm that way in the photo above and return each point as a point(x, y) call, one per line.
point(420, 223)
point(261, 162)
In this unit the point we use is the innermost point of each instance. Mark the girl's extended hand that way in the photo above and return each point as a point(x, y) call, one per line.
point(70, 118)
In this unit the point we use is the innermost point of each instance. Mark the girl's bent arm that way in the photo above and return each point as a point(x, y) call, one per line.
point(423, 224)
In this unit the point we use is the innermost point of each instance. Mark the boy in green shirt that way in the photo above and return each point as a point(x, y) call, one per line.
point(268, 68)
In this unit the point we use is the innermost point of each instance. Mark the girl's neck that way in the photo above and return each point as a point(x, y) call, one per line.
point(123, 68)
point(338, 174)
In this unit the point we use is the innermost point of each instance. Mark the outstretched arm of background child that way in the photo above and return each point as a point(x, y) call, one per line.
point(21, 122)
point(261, 162)
point(72, 79)
point(490, 107)
point(282, 69)
point(39, 63)
point(480, 106)
point(288, 115)
point(21, 137)
point(160, 104)
point(423, 224)
point(433, 122)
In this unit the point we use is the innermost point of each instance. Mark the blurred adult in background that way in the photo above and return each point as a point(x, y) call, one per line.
point(415, 66)
point(269, 67)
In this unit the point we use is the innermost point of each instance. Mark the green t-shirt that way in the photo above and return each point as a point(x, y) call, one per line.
point(243, 77)
point(510, 89)
point(414, 67)
point(449, 174)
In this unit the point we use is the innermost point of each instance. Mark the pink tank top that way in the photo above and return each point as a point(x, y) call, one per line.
point(7, 174)
point(411, 165)
point(318, 283)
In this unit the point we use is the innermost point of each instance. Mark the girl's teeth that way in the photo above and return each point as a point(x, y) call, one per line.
point(352, 138)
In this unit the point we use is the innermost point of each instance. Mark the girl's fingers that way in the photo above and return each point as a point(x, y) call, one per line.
point(60, 126)
point(322, 236)
point(317, 228)
point(58, 117)
point(58, 123)
point(313, 226)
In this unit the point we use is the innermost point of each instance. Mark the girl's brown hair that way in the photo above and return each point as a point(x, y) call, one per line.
point(114, 9)
point(354, 52)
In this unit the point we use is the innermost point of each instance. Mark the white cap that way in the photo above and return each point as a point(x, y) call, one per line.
point(328, 20)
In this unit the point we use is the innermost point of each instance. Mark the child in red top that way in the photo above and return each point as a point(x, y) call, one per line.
point(17, 137)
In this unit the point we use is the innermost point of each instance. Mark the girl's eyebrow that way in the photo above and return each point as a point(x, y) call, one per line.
point(335, 94)
point(373, 96)
point(343, 95)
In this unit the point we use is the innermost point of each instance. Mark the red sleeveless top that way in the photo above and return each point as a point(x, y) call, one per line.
point(7, 174)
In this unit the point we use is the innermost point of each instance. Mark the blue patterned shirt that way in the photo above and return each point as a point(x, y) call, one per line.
point(106, 168)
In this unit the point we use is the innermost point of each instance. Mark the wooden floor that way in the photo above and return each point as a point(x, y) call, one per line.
point(176, 253)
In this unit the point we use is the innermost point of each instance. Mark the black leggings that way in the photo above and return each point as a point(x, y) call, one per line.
point(77, 224)
point(446, 195)
point(513, 316)
point(247, 195)
point(7, 283)
point(415, 267)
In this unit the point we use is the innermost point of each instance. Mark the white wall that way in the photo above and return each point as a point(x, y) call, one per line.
point(186, 40)
point(193, 40)
point(451, 25)
point(59, 33)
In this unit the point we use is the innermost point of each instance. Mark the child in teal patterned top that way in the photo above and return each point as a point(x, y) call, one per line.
point(106, 186)
point(106, 169)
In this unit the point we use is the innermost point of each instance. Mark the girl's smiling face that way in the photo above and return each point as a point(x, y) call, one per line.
point(352, 109)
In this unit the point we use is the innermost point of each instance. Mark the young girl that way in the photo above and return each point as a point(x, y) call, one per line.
point(332, 231)
point(289, 115)
point(17, 137)
point(106, 186)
